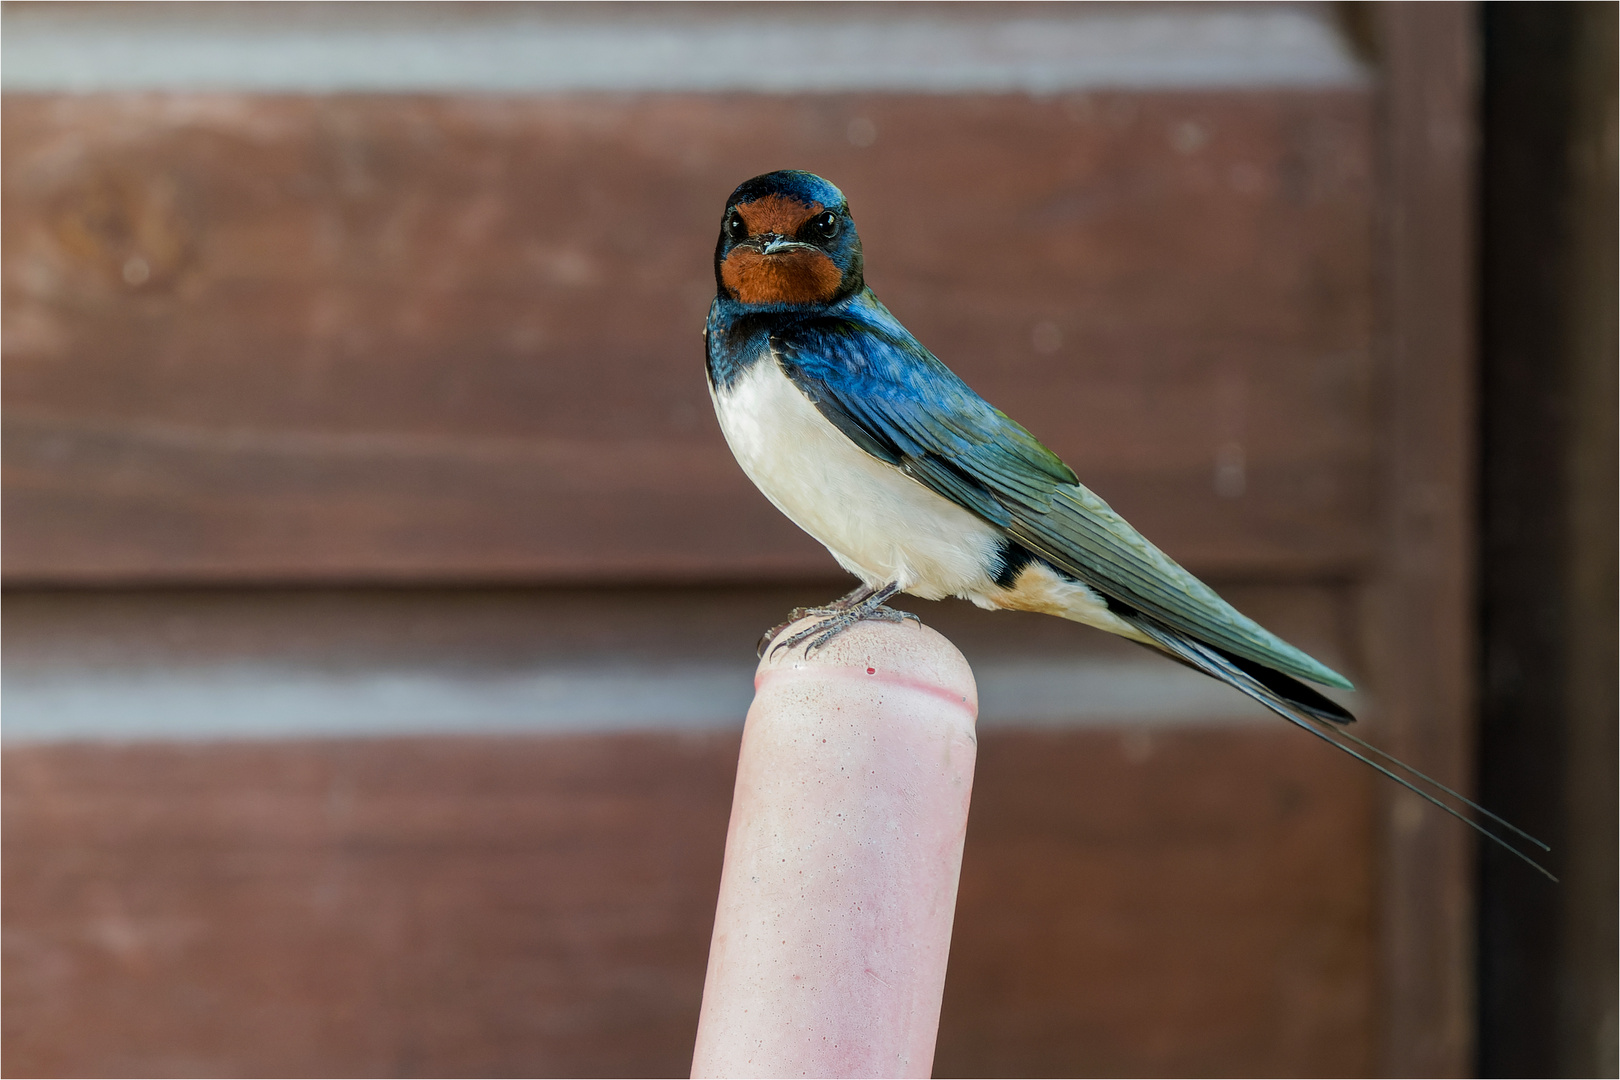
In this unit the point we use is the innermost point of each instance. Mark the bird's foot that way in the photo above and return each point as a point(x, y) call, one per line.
point(842, 615)
point(836, 607)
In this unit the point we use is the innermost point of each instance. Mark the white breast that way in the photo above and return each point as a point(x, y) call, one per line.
point(879, 524)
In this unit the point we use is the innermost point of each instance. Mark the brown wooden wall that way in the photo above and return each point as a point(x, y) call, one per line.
point(457, 339)
point(272, 342)
point(1187, 903)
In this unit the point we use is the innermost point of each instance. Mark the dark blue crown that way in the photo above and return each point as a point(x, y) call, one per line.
point(790, 183)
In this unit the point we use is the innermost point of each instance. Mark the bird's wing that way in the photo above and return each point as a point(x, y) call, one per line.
point(897, 402)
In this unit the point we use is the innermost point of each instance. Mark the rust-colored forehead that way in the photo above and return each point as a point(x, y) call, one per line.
point(776, 214)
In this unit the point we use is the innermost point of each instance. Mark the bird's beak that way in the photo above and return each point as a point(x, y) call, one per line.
point(777, 245)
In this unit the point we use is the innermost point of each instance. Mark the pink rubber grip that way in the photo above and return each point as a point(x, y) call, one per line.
point(834, 923)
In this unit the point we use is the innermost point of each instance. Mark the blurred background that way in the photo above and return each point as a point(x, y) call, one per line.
point(380, 597)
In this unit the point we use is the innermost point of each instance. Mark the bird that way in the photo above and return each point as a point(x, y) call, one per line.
point(915, 484)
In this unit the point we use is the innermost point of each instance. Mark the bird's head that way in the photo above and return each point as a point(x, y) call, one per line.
point(787, 241)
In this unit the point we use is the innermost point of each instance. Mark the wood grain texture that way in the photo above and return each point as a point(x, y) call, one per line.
point(1180, 904)
point(1420, 626)
point(362, 909)
point(456, 339)
point(1185, 903)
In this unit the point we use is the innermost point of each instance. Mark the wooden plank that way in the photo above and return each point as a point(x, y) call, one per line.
point(410, 338)
point(343, 909)
point(1420, 629)
point(1193, 902)
point(1166, 904)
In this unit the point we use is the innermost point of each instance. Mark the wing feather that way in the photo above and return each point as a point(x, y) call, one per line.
point(897, 402)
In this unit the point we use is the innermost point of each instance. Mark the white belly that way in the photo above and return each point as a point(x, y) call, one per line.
point(879, 524)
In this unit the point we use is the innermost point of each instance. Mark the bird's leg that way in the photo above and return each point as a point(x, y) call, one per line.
point(839, 620)
point(843, 603)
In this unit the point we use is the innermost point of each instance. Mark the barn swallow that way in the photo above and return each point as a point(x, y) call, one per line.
point(916, 484)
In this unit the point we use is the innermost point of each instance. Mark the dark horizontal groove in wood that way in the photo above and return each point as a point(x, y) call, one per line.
point(506, 628)
point(455, 339)
point(238, 664)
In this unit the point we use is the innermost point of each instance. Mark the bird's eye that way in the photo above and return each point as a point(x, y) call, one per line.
point(736, 228)
point(826, 224)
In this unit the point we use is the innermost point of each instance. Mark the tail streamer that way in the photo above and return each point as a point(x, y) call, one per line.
point(1213, 663)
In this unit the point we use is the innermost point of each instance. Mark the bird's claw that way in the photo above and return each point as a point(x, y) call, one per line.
point(835, 619)
point(855, 596)
point(794, 616)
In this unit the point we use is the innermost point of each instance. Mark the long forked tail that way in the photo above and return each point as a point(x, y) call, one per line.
point(1315, 713)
